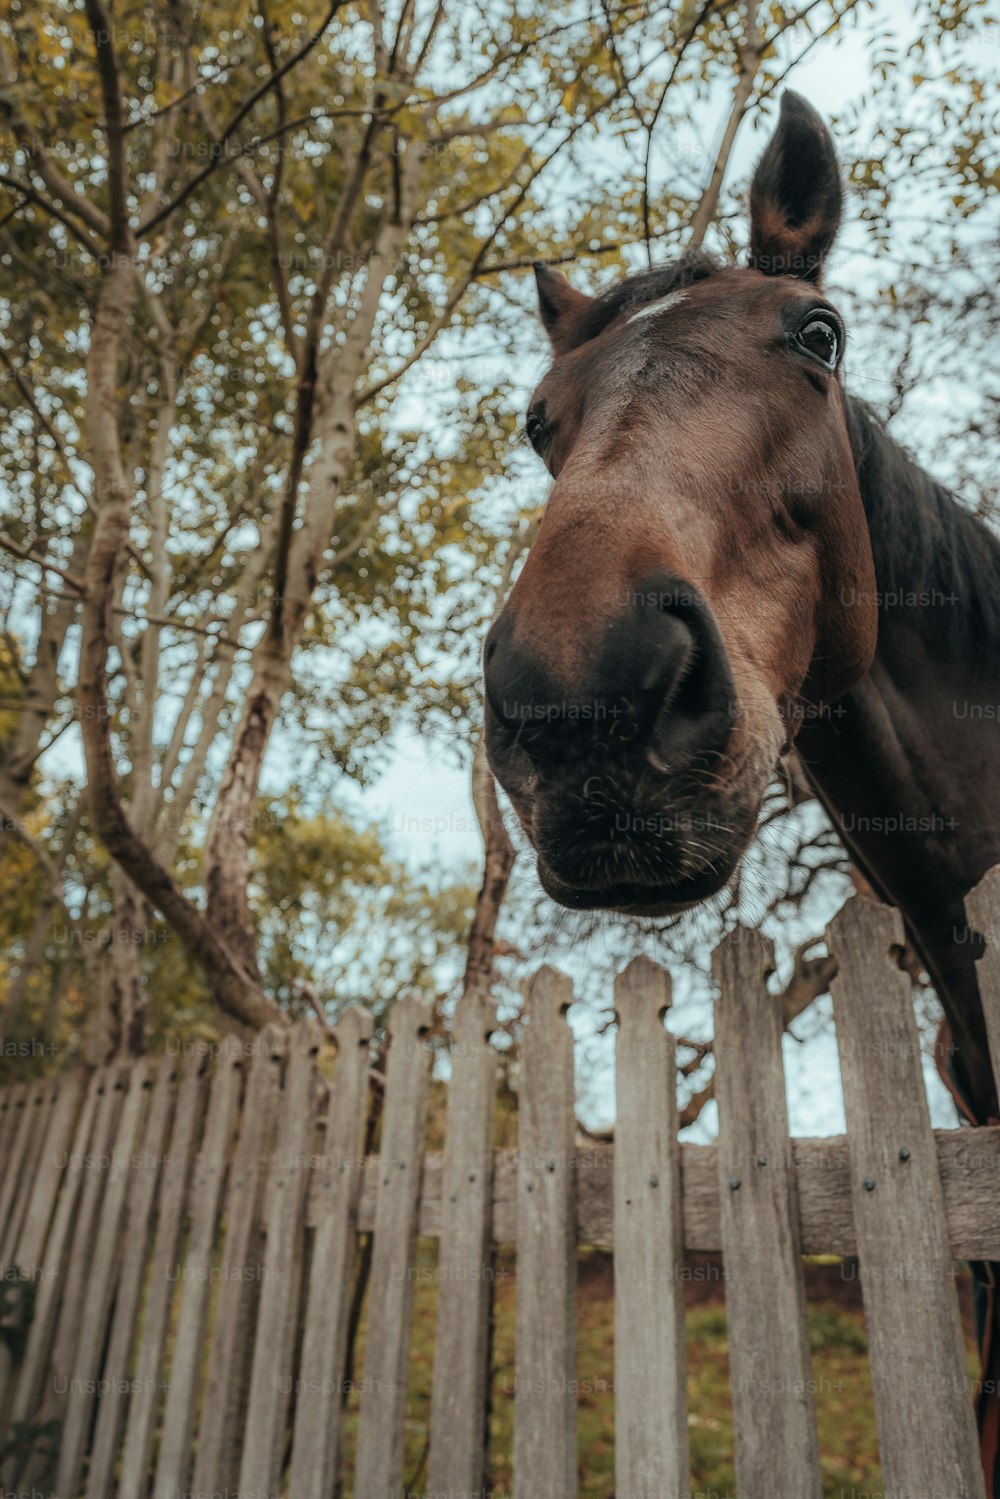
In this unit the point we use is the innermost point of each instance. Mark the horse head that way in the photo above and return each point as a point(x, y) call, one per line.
point(702, 578)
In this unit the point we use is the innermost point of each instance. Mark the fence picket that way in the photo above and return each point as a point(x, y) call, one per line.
point(774, 1413)
point(100, 1237)
point(28, 1394)
point(464, 1257)
point(544, 1395)
point(907, 1276)
point(223, 1406)
point(379, 1463)
point(316, 1441)
point(982, 907)
point(205, 1194)
point(651, 1436)
point(27, 1252)
point(79, 1262)
point(48, 1171)
point(86, 1364)
point(271, 1379)
point(139, 1211)
point(11, 1104)
point(159, 1291)
point(18, 1178)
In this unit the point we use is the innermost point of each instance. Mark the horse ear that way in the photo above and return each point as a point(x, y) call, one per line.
point(558, 303)
point(795, 197)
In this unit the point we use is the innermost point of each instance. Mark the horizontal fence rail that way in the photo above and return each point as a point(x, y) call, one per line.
point(180, 1240)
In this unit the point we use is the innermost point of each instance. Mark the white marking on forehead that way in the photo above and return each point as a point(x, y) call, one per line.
point(660, 305)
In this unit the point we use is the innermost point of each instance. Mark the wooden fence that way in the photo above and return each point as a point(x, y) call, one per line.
point(180, 1239)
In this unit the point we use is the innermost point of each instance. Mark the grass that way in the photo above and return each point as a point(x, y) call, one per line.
point(840, 1375)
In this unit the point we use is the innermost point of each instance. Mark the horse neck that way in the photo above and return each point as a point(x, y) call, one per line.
point(908, 764)
point(937, 572)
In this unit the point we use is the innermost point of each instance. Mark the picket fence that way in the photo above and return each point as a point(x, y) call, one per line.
point(179, 1240)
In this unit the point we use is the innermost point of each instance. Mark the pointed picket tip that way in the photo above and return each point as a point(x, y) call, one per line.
point(640, 988)
point(272, 1040)
point(745, 954)
point(307, 1036)
point(474, 1020)
point(548, 994)
point(231, 1048)
point(865, 921)
point(410, 1016)
point(982, 907)
point(354, 1028)
point(982, 926)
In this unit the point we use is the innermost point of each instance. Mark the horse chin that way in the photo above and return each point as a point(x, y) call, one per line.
point(636, 899)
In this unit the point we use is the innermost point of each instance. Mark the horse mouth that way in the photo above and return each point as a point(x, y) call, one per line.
point(637, 839)
point(630, 898)
point(661, 863)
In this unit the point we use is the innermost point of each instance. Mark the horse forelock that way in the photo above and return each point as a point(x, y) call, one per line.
point(645, 287)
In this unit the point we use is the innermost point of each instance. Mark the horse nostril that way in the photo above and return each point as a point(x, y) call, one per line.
point(654, 683)
point(696, 716)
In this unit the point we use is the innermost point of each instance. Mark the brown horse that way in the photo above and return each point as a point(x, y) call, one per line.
point(734, 558)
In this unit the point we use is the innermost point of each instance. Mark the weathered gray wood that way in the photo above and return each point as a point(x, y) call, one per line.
point(27, 1252)
point(379, 1462)
point(982, 910)
point(337, 1179)
point(171, 1216)
point(969, 1161)
point(18, 1178)
point(86, 1229)
point(914, 1335)
point(102, 1282)
point(44, 1107)
point(223, 1404)
point(774, 1410)
point(464, 1264)
point(29, 1395)
point(272, 1376)
point(49, 1167)
point(116, 1373)
point(11, 1106)
point(79, 1264)
point(545, 1352)
point(205, 1194)
point(651, 1434)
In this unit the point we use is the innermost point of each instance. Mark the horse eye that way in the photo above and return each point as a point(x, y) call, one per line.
point(820, 337)
point(537, 431)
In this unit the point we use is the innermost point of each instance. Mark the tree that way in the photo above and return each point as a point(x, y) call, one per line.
point(243, 255)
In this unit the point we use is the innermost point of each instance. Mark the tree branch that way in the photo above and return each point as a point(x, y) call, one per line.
point(269, 83)
point(750, 55)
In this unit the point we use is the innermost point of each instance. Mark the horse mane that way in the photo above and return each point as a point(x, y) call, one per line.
point(924, 540)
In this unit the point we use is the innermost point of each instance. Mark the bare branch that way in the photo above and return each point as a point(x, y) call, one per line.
point(27, 555)
point(13, 824)
point(114, 125)
point(750, 57)
point(269, 83)
point(32, 195)
point(689, 36)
